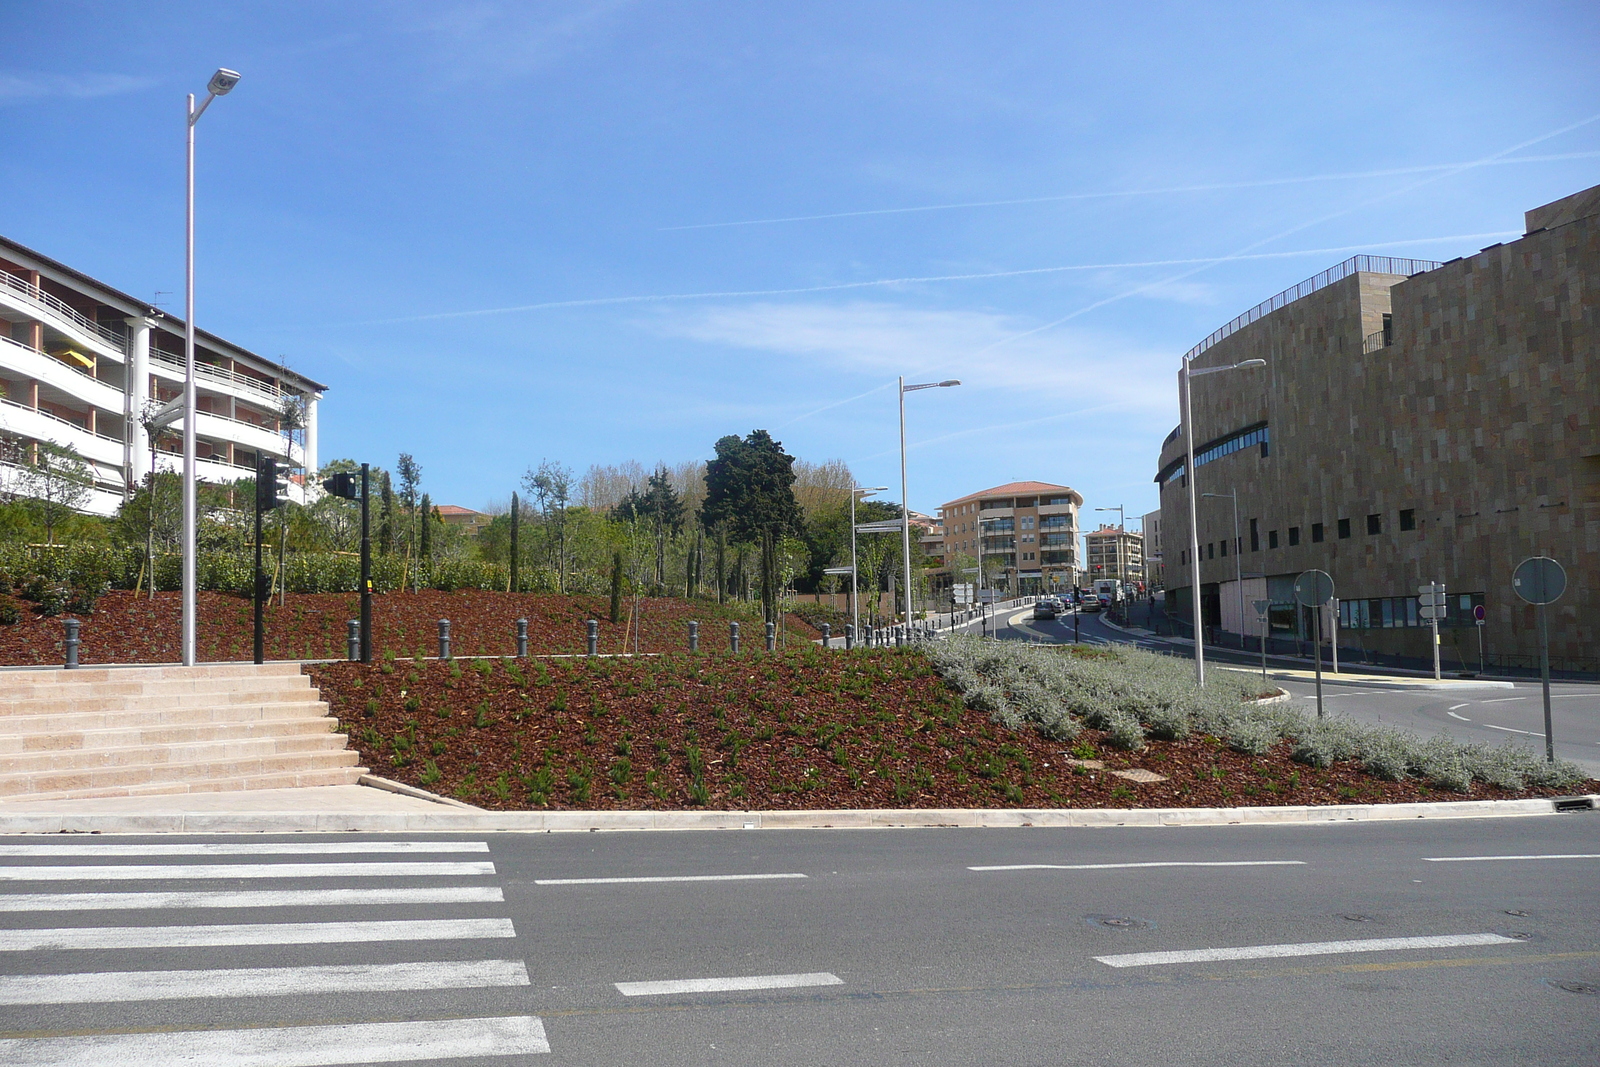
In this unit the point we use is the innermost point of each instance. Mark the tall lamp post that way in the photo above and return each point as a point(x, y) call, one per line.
point(1238, 566)
point(905, 501)
point(222, 82)
point(1122, 529)
point(863, 492)
point(1184, 376)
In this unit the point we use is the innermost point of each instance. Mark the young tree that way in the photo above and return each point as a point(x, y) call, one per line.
point(57, 485)
point(750, 487)
point(409, 474)
point(425, 533)
point(551, 486)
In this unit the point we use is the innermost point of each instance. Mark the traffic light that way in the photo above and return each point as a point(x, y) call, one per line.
point(272, 484)
point(345, 485)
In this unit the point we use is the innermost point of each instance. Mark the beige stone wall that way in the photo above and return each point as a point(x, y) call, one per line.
point(1483, 418)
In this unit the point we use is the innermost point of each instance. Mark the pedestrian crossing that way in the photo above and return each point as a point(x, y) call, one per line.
point(407, 965)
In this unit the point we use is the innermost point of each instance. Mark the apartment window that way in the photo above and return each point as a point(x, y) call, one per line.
point(1255, 536)
point(1344, 528)
point(1374, 525)
point(1408, 518)
point(1294, 536)
point(1027, 522)
point(1316, 533)
point(1224, 545)
point(1272, 538)
point(1211, 550)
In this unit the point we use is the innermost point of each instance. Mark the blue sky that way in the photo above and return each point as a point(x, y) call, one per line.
point(390, 178)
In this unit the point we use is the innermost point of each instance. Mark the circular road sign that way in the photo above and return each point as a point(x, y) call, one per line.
point(1478, 614)
point(1313, 588)
point(1539, 580)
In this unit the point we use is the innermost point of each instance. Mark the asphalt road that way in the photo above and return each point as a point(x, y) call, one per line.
point(1293, 944)
point(1492, 716)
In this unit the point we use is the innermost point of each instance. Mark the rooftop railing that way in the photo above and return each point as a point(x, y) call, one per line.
point(1353, 265)
point(63, 309)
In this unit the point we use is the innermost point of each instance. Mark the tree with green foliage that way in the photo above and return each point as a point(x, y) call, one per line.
point(57, 484)
point(551, 486)
point(750, 489)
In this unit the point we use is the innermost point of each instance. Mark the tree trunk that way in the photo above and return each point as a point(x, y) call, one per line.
point(722, 565)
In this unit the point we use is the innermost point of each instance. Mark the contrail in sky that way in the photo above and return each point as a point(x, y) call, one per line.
point(1210, 187)
point(886, 282)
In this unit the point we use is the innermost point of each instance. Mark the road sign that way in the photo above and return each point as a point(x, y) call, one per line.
point(1431, 600)
point(1478, 615)
point(1313, 588)
point(1539, 580)
point(961, 592)
point(1261, 606)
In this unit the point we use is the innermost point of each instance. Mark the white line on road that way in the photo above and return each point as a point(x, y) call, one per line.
point(290, 1046)
point(1458, 707)
point(251, 934)
point(108, 987)
point(267, 898)
point(220, 848)
point(723, 985)
point(1480, 859)
point(1453, 715)
point(1114, 866)
point(1501, 700)
point(665, 878)
point(151, 872)
point(1312, 948)
point(1509, 730)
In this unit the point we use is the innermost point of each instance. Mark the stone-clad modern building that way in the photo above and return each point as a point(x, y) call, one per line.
point(1414, 422)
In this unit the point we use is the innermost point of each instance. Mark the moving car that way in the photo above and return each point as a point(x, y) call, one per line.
point(1045, 609)
point(1090, 603)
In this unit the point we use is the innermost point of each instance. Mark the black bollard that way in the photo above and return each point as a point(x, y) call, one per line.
point(522, 638)
point(352, 639)
point(849, 636)
point(694, 637)
point(72, 642)
point(827, 636)
point(594, 637)
point(444, 638)
point(733, 638)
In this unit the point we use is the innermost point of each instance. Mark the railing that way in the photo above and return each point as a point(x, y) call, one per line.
point(80, 427)
point(30, 350)
point(62, 308)
point(1355, 264)
point(1376, 341)
point(218, 374)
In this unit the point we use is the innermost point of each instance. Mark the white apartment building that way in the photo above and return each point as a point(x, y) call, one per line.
point(1114, 553)
point(1024, 533)
point(80, 361)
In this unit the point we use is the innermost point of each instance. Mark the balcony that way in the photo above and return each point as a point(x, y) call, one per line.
point(241, 385)
point(30, 298)
point(25, 421)
point(48, 370)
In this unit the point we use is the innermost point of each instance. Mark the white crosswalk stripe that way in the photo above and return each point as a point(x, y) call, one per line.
point(130, 977)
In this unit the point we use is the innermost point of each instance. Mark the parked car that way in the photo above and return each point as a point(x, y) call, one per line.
point(1090, 603)
point(1044, 609)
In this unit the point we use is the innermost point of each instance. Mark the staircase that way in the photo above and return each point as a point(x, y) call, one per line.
point(137, 731)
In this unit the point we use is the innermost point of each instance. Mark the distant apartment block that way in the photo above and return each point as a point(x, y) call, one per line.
point(1113, 552)
point(1415, 422)
point(1154, 578)
point(81, 361)
point(1025, 533)
point(468, 520)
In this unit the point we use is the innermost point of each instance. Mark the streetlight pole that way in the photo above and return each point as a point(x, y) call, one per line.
point(221, 83)
point(1184, 376)
point(905, 501)
point(855, 595)
point(1238, 567)
point(1122, 530)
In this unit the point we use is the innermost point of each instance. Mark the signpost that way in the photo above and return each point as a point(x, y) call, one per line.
point(1314, 589)
point(1261, 607)
point(1431, 602)
point(1478, 617)
point(1540, 580)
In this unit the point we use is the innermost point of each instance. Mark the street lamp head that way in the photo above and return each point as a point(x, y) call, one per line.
point(947, 384)
point(1251, 363)
point(222, 82)
point(868, 490)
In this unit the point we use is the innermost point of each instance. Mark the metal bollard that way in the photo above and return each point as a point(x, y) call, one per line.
point(352, 639)
point(899, 637)
point(694, 637)
point(444, 638)
point(733, 638)
point(594, 637)
point(522, 638)
point(772, 636)
point(849, 636)
point(827, 636)
point(72, 642)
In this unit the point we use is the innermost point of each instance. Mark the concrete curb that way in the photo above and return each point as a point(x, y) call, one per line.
point(458, 821)
point(389, 786)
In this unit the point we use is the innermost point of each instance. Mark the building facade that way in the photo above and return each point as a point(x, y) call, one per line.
point(83, 364)
point(1153, 577)
point(1112, 552)
point(1415, 422)
point(1023, 535)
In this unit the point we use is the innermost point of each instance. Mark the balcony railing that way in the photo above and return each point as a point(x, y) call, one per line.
point(266, 390)
point(80, 427)
point(1376, 341)
point(30, 350)
point(63, 309)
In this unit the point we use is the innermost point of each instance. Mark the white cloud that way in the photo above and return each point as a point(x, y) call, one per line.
point(14, 87)
point(872, 339)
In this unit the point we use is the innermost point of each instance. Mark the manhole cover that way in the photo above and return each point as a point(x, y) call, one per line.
point(1116, 922)
point(1518, 914)
point(1357, 918)
point(1588, 989)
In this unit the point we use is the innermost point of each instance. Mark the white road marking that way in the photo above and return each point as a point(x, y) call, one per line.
point(722, 985)
point(665, 878)
point(1312, 948)
point(1453, 715)
point(1114, 866)
point(270, 898)
point(221, 848)
point(113, 986)
point(289, 1046)
point(1509, 730)
point(1458, 707)
point(1480, 859)
point(1501, 700)
point(252, 934)
point(151, 872)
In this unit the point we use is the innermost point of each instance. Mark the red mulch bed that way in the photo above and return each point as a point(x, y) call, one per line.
point(808, 729)
point(125, 628)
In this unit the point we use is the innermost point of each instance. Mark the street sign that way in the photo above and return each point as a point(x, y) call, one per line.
point(1478, 615)
point(1431, 600)
point(1539, 580)
point(1313, 588)
point(1261, 606)
point(961, 592)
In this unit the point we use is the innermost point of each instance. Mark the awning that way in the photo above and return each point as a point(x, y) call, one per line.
point(72, 355)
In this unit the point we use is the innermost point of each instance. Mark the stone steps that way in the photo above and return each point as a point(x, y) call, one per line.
point(97, 732)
